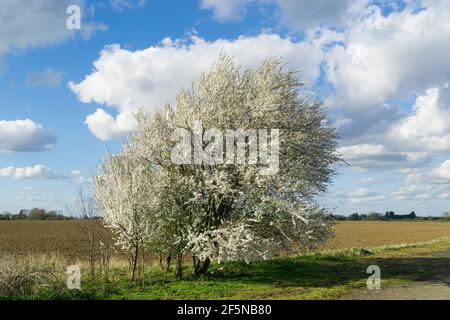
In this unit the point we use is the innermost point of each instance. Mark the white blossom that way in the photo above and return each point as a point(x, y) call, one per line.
point(230, 212)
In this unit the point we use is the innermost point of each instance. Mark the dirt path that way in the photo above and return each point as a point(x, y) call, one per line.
point(436, 286)
point(424, 290)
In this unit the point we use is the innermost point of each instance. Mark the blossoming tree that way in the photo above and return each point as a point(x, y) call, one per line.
point(228, 210)
point(237, 206)
point(123, 192)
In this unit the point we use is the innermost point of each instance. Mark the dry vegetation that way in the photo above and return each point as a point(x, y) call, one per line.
point(61, 238)
point(362, 234)
point(64, 238)
point(31, 277)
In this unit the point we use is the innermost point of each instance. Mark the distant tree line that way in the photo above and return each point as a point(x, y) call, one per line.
point(388, 216)
point(34, 214)
point(42, 214)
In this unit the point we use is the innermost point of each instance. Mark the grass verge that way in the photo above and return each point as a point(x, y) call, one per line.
point(319, 275)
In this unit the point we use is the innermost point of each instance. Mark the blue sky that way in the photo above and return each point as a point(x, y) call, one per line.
point(381, 68)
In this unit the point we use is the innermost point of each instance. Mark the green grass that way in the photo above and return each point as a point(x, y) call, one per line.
point(323, 275)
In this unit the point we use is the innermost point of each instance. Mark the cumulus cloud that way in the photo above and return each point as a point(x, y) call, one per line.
point(106, 127)
point(354, 197)
point(424, 184)
point(151, 78)
point(362, 193)
point(400, 138)
point(37, 172)
point(78, 177)
point(46, 78)
point(385, 64)
point(24, 136)
point(28, 24)
point(414, 192)
point(367, 156)
point(442, 173)
point(383, 72)
point(391, 56)
point(382, 56)
point(428, 176)
point(427, 128)
point(375, 58)
point(365, 194)
point(40, 171)
point(33, 23)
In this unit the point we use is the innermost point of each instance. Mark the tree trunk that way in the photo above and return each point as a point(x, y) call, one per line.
point(179, 268)
point(161, 264)
point(194, 262)
point(169, 260)
point(165, 267)
point(135, 261)
point(92, 264)
point(201, 267)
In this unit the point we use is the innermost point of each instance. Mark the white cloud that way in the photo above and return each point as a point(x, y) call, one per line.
point(414, 192)
point(33, 23)
point(106, 127)
point(384, 62)
point(28, 24)
point(442, 173)
point(428, 176)
point(391, 56)
point(427, 128)
point(24, 136)
point(37, 172)
point(415, 176)
point(376, 63)
point(150, 78)
point(444, 195)
point(46, 78)
point(357, 196)
point(361, 195)
point(367, 156)
point(32, 198)
point(398, 138)
point(383, 56)
point(40, 197)
point(366, 182)
point(356, 151)
point(41, 172)
point(78, 177)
